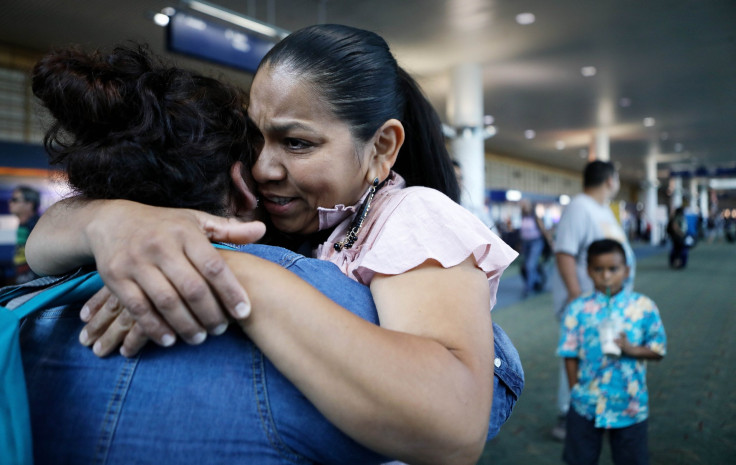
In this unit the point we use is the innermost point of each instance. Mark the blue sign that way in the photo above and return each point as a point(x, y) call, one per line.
point(228, 45)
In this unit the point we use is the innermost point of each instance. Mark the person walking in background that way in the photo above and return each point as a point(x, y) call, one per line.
point(533, 240)
point(587, 218)
point(681, 239)
point(606, 337)
point(24, 204)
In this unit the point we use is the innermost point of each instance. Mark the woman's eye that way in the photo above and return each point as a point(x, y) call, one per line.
point(296, 144)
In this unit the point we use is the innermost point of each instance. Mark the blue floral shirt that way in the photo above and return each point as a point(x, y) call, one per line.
point(611, 390)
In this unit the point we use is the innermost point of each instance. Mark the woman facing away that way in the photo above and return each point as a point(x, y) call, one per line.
point(347, 147)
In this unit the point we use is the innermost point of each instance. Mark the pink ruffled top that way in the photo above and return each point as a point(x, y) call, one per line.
point(405, 227)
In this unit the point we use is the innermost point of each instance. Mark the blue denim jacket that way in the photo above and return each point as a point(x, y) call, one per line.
point(221, 402)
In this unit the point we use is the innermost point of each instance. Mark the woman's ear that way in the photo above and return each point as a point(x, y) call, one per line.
point(385, 148)
point(244, 200)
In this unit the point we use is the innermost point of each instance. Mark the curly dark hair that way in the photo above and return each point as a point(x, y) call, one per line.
point(127, 126)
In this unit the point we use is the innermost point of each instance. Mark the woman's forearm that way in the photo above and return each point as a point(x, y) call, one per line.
point(58, 242)
point(417, 397)
point(149, 257)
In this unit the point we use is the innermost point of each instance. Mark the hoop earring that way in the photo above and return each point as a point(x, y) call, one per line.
point(352, 234)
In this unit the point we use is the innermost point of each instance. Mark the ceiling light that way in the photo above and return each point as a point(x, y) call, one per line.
point(588, 71)
point(560, 144)
point(649, 121)
point(236, 18)
point(530, 134)
point(488, 120)
point(525, 18)
point(513, 195)
point(489, 131)
point(161, 19)
point(564, 199)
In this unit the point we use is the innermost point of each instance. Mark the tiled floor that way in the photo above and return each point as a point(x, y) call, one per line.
point(693, 393)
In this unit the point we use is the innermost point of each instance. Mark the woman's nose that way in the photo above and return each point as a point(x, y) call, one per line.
point(268, 167)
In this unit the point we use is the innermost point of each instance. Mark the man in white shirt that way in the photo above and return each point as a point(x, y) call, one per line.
point(587, 218)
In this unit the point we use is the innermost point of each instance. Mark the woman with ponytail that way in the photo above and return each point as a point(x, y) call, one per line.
point(350, 167)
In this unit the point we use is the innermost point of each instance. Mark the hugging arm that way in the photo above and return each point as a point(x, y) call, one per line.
point(149, 257)
point(417, 388)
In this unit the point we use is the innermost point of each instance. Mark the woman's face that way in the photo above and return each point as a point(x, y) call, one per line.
point(307, 158)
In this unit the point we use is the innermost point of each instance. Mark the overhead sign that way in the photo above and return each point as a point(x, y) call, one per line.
point(213, 41)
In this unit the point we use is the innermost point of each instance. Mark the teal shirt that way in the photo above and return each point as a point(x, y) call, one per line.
point(611, 390)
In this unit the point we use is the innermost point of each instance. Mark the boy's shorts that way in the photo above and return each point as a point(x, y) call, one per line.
point(583, 442)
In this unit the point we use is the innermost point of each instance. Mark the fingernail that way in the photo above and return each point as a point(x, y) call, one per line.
point(124, 352)
point(219, 329)
point(167, 340)
point(199, 338)
point(84, 313)
point(242, 310)
point(84, 337)
point(97, 348)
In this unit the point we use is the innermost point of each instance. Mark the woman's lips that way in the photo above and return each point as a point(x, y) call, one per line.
point(277, 205)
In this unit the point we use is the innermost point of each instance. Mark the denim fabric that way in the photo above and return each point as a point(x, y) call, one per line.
point(221, 402)
point(532, 251)
point(508, 380)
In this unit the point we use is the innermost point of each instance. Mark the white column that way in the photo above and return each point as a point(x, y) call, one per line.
point(602, 145)
point(465, 110)
point(604, 118)
point(704, 207)
point(650, 205)
point(676, 200)
point(694, 194)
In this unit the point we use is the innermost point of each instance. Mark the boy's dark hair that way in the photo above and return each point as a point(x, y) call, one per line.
point(597, 172)
point(604, 246)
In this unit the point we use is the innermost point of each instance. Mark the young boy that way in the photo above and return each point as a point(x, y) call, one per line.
point(606, 338)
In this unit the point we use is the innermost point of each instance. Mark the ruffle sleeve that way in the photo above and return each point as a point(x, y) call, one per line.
point(418, 224)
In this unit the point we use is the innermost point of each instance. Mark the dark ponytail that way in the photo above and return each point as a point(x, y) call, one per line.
point(127, 126)
point(355, 73)
point(424, 155)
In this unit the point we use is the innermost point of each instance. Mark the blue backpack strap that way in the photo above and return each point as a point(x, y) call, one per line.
point(15, 423)
point(16, 303)
point(76, 288)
